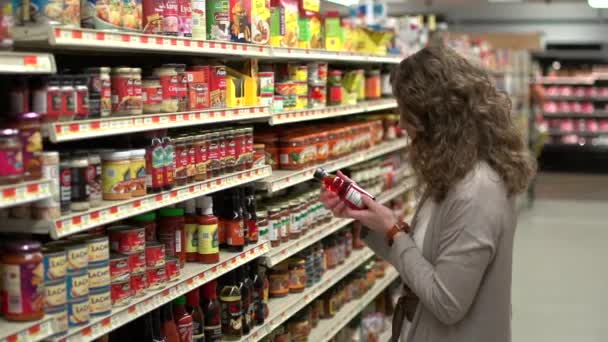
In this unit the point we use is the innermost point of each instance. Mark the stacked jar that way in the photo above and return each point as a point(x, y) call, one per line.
point(127, 263)
point(317, 85)
point(123, 174)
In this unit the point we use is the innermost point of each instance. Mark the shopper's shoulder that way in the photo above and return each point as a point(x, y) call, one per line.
point(480, 184)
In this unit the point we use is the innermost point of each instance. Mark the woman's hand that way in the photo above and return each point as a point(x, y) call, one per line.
point(376, 217)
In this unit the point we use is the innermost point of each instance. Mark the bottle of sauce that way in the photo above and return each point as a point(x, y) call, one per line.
point(171, 232)
point(169, 164)
point(198, 318)
point(257, 295)
point(240, 193)
point(169, 329)
point(246, 287)
point(183, 320)
point(233, 223)
point(251, 221)
point(31, 139)
point(212, 311)
point(155, 166)
point(191, 230)
point(230, 299)
point(207, 229)
point(347, 190)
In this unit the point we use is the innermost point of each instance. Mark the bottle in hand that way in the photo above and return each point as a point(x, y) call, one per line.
point(347, 190)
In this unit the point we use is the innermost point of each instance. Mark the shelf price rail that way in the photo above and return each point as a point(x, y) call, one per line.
point(25, 192)
point(310, 114)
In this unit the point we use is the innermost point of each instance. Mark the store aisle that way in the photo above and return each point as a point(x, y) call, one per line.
point(560, 278)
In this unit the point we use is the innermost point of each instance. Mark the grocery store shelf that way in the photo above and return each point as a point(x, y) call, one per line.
point(25, 331)
point(286, 250)
point(112, 211)
point(15, 194)
point(575, 98)
point(282, 309)
point(598, 114)
point(582, 80)
point(282, 179)
point(331, 111)
point(579, 133)
point(86, 129)
point(26, 63)
point(330, 56)
point(193, 275)
point(328, 328)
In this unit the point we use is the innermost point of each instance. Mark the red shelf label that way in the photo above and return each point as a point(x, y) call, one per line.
point(100, 36)
point(30, 60)
point(32, 188)
point(9, 193)
point(113, 210)
point(159, 41)
point(77, 34)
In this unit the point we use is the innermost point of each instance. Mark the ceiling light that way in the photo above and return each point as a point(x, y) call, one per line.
point(598, 3)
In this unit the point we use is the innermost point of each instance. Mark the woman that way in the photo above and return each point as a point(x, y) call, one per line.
point(470, 161)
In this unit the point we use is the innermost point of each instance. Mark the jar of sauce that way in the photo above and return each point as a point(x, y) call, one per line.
point(263, 224)
point(11, 157)
point(136, 104)
point(122, 90)
point(79, 198)
point(199, 144)
point(171, 232)
point(148, 222)
point(31, 139)
point(275, 221)
point(373, 87)
point(297, 275)
point(169, 86)
point(294, 212)
point(137, 169)
point(152, 94)
point(22, 280)
point(116, 175)
point(285, 222)
point(334, 88)
point(278, 279)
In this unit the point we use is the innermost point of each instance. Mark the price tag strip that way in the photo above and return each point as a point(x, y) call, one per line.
point(284, 251)
point(328, 328)
point(281, 309)
point(193, 275)
point(26, 331)
point(331, 111)
point(26, 63)
point(326, 55)
point(284, 179)
point(86, 129)
point(15, 194)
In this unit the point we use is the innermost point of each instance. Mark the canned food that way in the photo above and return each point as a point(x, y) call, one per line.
point(77, 253)
point(55, 293)
point(98, 246)
point(100, 301)
point(78, 311)
point(55, 263)
point(77, 284)
point(297, 72)
point(58, 315)
point(157, 277)
point(155, 254)
point(121, 293)
point(119, 267)
point(266, 80)
point(137, 262)
point(99, 274)
point(127, 239)
point(172, 268)
point(301, 88)
point(139, 284)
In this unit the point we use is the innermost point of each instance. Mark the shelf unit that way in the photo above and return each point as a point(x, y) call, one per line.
point(62, 38)
point(26, 63)
point(112, 211)
point(277, 254)
point(282, 179)
point(576, 98)
point(21, 193)
point(331, 111)
point(114, 125)
point(25, 331)
point(282, 308)
point(328, 328)
point(598, 114)
point(566, 80)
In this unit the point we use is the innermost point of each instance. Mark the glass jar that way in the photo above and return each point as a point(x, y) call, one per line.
point(30, 134)
point(122, 90)
point(181, 161)
point(263, 224)
point(80, 197)
point(271, 148)
point(68, 98)
point(116, 175)
point(259, 155)
point(136, 104)
point(285, 222)
point(82, 96)
point(138, 172)
point(334, 87)
point(214, 163)
point(169, 85)
point(182, 87)
point(278, 278)
point(292, 155)
point(373, 87)
point(297, 275)
point(152, 94)
point(275, 222)
point(249, 150)
point(294, 212)
point(199, 144)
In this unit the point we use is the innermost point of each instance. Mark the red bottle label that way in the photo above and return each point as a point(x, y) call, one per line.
point(184, 328)
point(11, 162)
point(181, 162)
point(235, 233)
point(152, 95)
point(169, 85)
point(82, 102)
point(122, 90)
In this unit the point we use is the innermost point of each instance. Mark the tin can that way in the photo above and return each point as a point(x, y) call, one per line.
point(100, 91)
point(55, 263)
point(171, 18)
point(172, 268)
point(58, 316)
point(122, 90)
point(155, 254)
point(131, 15)
point(185, 18)
point(77, 284)
point(55, 293)
point(137, 262)
point(127, 239)
point(266, 80)
point(153, 16)
point(77, 253)
point(217, 86)
point(98, 246)
point(121, 293)
point(157, 277)
point(119, 267)
point(100, 301)
point(139, 284)
point(99, 274)
point(297, 72)
point(78, 311)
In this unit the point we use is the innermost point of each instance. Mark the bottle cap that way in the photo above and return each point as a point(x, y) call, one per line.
point(181, 300)
point(206, 204)
point(170, 212)
point(320, 173)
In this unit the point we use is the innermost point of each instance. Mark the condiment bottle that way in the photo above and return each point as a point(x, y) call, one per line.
point(347, 190)
point(198, 318)
point(230, 298)
point(11, 157)
point(212, 311)
point(30, 135)
point(171, 232)
point(246, 287)
point(169, 164)
point(233, 224)
point(65, 183)
point(257, 280)
point(183, 320)
point(68, 98)
point(191, 230)
point(155, 166)
point(250, 215)
point(208, 243)
point(80, 191)
point(169, 329)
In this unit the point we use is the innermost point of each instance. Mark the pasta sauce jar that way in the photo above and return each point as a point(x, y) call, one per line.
point(11, 157)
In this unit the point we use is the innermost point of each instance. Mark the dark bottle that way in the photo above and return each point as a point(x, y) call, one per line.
point(155, 166)
point(257, 295)
point(242, 199)
point(169, 164)
point(233, 223)
point(251, 220)
point(347, 190)
point(183, 320)
point(169, 328)
point(246, 286)
point(157, 335)
point(212, 311)
point(198, 318)
point(232, 318)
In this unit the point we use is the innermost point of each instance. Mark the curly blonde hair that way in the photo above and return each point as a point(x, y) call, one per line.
point(459, 119)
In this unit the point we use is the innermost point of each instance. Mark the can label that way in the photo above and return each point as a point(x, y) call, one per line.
point(152, 95)
point(100, 301)
point(78, 312)
point(121, 293)
point(78, 257)
point(137, 262)
point(77, 285)
point(55, 293)
point(157, 277)
point(172, 269)
point(59, 318)
point(99, 275)
point(119, 269)
point(128, 240)
point(99, 249)
point(155, 255)
point(139, 284)
point(55, 265)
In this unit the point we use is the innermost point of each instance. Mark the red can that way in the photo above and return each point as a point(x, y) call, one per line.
point(171, 18)
point(119, 267)
point(139, 284)
point(217, 86)
point(155, 254)
point(185, 18)
point(172, 268)
point(153, 16)
point(137, 262)
point(157, 277)
point(127, 239)
point(121, 293)
point(122, 90)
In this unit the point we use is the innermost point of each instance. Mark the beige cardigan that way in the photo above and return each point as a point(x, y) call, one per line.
point(463, 279)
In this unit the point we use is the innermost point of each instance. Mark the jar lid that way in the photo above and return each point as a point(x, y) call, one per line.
point(145, 217)
point(136, 70)
point(29, 116)
point(9, 132)
point(120, 155)
point(335, 73)
point(20, 246)
point(171, 212)
point(258, 146)
point(138, 153)
point(151, 78)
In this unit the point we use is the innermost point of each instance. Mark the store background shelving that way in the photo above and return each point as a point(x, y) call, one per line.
point(26, 63)
point(331, 112)
point(26, 192)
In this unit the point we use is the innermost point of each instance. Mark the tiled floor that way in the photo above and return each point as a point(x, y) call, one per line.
point(560, 271)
